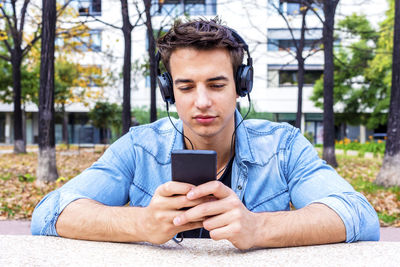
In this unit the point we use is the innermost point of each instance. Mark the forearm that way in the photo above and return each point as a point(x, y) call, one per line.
point(90, 220)
point(311, 225)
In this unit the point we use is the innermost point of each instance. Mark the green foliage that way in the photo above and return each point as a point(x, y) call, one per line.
point(253, 114)
point(142, 114)
point(387, 218)
point(362, 71)
point(29, 83)
point(105, 115)
point(66, 74)
point(375, 147)
point(26, 178)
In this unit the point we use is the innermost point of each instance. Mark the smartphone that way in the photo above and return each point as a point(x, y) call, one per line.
point(194, 166)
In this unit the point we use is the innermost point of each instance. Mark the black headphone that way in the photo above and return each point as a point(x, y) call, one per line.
point(243, 77)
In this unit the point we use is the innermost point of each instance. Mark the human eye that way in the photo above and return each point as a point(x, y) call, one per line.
point(217, 85)
point(185, 88)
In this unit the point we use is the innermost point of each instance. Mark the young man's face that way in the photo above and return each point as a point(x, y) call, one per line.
point(204, 91)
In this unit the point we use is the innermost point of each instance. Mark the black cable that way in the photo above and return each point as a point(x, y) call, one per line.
point(191, 144)
point(230, 153)
point(234, 133)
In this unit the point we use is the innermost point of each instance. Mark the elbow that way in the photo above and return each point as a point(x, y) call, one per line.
point(371, 228)
point(44, 215)
point(367, 223)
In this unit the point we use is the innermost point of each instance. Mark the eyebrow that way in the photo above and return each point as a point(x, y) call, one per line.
point(218, 78)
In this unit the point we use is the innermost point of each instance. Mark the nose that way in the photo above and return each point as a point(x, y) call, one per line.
point(203, 100)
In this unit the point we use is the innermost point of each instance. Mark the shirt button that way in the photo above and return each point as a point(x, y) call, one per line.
point(239, 187)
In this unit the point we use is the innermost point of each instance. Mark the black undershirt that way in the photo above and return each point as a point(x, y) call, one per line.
point(226, 180)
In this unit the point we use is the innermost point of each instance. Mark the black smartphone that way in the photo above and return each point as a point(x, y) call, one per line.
point(194, 166)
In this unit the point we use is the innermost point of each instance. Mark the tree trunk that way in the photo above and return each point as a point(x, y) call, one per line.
point(152, 59)
point(389, 175)
point(300, 71)
point(16, 59)
point(65, 126)
point(47, 169)
point(127, 30)
point(329, 124)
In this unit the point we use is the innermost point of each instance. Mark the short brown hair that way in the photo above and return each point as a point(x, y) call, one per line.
point(200, 34)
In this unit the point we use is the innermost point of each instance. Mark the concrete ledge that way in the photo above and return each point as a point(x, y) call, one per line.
point(55, 251)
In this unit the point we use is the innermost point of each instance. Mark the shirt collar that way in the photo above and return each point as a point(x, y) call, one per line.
point(243, 149)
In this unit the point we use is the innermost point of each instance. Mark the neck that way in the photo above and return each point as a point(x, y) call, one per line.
point(220, 143)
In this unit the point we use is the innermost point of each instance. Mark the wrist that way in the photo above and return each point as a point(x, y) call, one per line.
point(269, 231)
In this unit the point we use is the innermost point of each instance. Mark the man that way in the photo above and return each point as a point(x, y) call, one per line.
point(263, 167)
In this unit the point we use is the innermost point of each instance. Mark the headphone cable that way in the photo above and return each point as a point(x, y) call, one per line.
point(191, 144)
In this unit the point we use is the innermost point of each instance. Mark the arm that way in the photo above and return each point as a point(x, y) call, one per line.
point(92, 205)
point(90, 220)
point(230, 219)
point(328, 208)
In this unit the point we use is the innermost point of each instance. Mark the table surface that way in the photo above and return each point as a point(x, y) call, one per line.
point(25, 250)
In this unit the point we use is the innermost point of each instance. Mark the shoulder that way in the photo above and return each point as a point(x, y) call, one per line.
point(155, 139)
point(266, 138)
point(273, 131)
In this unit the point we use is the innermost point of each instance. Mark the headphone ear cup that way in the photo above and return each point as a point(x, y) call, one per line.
point(244, 80)
point(165, 83)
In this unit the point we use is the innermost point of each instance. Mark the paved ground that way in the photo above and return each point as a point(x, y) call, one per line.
point(23, 228)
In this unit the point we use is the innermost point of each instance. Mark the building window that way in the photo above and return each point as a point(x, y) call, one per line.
point(289, 77)
point(187, 7)
point(282, 39)
point(87, 7)
point(89, 42)
point(285, 45)
point(294, 7)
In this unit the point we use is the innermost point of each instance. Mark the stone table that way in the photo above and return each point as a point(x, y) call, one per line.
point(25, 250)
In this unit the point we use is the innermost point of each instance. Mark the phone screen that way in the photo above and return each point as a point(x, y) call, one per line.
point(194, 166)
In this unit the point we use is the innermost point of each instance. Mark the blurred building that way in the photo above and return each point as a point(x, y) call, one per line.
point(258, 22)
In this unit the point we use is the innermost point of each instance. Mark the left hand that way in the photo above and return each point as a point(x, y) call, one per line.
point(226, 216)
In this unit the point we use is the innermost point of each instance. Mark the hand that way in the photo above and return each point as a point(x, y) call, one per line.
point(165, 205)
point(226, 217)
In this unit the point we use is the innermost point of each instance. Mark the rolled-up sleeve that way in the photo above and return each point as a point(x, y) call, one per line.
point(311, 180)
point(106, 181)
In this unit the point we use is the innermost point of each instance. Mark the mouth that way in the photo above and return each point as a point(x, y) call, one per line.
point(205, 119)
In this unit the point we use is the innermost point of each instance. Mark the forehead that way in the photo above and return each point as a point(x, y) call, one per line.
point(185, 61)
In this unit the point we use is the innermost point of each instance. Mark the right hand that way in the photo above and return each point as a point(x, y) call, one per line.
point(166, 204)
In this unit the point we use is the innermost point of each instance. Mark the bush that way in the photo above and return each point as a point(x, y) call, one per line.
point(142, 114)
point(375, 147)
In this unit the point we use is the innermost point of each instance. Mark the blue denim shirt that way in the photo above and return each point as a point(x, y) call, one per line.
point(274, 165)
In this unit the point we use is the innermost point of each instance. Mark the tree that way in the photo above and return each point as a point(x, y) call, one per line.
point(127, 30)
point(66, 76)
point(17, 49)
point(389, 174)
point(329, 122)
point(299, 45)
point(355, 89)
point(329, 10)
point(47, 169)
point(104, 115)
point(152, 59)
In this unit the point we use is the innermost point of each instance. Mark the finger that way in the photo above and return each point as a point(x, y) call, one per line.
point(214, 222)
point(173, 188)
point(190, 226)
point(211, 208)
point(181, 201)
point(215, 188)
point(222, 232)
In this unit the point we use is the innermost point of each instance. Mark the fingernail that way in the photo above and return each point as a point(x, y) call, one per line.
point(190, 194)
point(177, 220)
